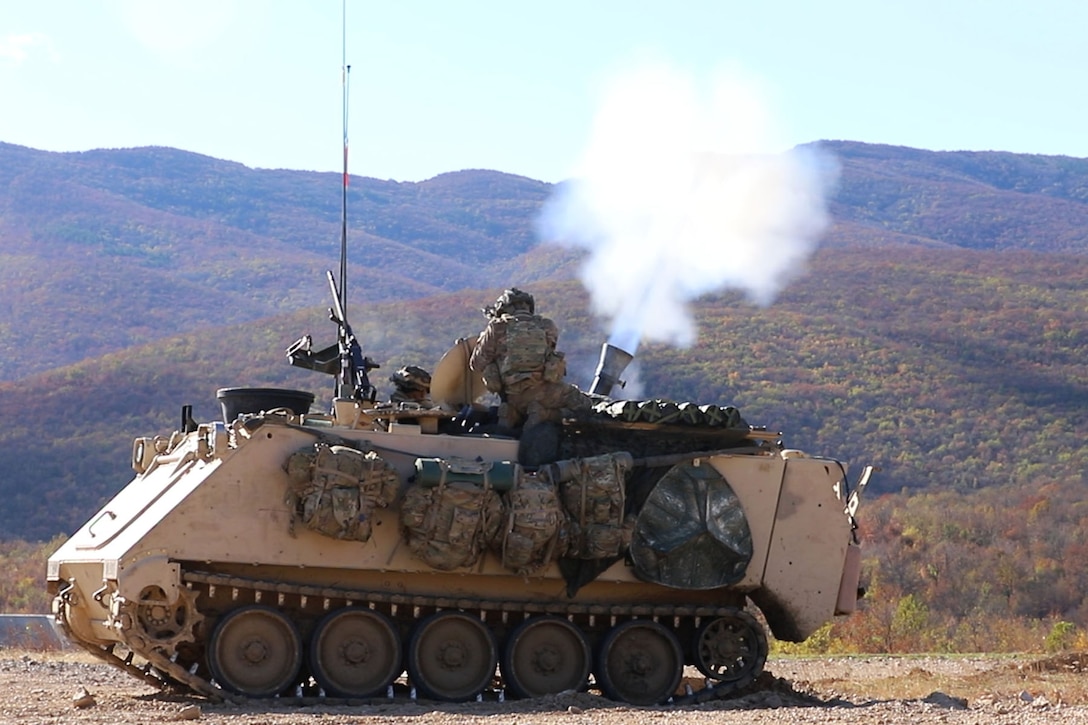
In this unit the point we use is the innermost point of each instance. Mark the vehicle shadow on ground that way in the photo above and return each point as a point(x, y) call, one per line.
point(768, 692)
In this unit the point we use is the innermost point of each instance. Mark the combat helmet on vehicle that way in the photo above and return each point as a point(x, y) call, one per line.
point(411, 377)
point(510, 301)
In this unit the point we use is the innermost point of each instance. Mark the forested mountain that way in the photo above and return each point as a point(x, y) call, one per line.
point(966, 199)
point(104, 250)
point(939, 333)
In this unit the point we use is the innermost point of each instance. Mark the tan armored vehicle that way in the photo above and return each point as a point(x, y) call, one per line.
point(391, 550)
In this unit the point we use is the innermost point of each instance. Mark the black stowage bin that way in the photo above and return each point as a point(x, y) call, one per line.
point(238, 401)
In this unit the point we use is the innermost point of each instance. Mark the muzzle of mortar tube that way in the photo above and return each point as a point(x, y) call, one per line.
point(609, 368)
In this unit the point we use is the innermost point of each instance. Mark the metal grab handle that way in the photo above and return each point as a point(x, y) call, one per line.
point(107, 512)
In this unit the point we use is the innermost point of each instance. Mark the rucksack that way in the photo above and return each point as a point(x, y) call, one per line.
point(526, 348)
point(593, 493)
point(449, 525)
point(335, 489)
point(535, 532)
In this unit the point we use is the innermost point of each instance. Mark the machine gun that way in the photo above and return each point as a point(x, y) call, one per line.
point(344, 359)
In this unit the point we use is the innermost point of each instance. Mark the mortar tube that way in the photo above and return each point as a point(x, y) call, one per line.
point(609, 368)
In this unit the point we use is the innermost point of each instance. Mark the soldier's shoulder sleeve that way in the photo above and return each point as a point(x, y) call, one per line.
point(551, 331)
point(484, 352)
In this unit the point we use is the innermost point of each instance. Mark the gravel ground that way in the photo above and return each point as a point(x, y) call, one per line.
point(49, 688)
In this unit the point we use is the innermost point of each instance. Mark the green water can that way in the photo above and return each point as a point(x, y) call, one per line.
point(499, 475)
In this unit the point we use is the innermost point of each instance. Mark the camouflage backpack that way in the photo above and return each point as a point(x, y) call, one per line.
point(593, 493)
point(526, 348)
point(335, 489)
point(535, 531)
point(449, 525)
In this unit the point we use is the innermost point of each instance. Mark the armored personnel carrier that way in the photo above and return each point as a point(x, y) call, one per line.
point(372, 551)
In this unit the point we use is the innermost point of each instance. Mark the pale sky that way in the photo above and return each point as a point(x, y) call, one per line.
point(445, 85)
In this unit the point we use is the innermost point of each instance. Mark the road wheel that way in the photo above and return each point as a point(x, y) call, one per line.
point(451, 657)
point(545, 655)
point(355, 652)
point(640, 662)
point(255, 651)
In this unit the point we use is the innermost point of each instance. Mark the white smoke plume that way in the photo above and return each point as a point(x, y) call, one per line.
point(682, 193)
point(17, 48)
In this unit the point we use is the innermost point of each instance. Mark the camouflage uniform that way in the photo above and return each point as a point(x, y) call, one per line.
point(517, 358)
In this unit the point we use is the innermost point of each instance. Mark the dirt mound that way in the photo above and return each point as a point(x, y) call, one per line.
point(767, 691)
point(1074, 662)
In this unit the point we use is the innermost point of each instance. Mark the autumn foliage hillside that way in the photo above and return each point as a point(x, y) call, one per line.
point(940, 333)
point(110, 249)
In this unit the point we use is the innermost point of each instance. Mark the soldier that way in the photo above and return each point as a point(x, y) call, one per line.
point(517, 357)
point(411, 385)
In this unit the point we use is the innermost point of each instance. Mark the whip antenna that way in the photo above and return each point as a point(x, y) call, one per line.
point(345, 72)
point(345, 359)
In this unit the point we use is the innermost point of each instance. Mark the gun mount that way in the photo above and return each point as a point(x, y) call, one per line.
point(344, 359)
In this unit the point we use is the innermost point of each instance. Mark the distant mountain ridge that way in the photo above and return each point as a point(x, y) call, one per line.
point(940, 332)
point(969, 199)
point(160, 241)
point(131, 245)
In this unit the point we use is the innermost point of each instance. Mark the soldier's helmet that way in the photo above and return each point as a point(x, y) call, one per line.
point(514, 300)
point(411, 377)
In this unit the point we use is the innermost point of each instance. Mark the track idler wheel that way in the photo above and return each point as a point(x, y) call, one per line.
point(731, 649)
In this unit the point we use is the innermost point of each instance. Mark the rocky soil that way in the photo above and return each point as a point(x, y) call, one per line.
point(66, 688)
